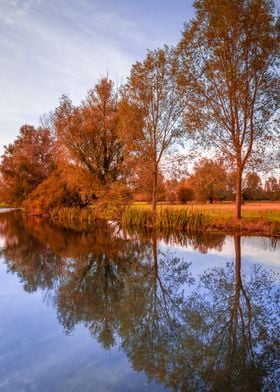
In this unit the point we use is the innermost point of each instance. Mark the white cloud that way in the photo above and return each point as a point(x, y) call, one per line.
point(47, 51)
point(52, 47)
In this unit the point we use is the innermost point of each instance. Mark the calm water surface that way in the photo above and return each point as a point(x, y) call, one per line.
point(110, 310)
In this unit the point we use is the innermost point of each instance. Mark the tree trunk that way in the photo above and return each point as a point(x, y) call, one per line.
point(155, 253)
point(237, 248)
point(154, 195)
point(238, 197)
point(235, 305)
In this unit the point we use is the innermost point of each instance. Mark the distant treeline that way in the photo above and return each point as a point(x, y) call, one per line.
point(211, 182)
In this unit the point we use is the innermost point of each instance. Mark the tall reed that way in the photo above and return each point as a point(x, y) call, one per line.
point(133, 216)
point(168, 218)
point(275, 228)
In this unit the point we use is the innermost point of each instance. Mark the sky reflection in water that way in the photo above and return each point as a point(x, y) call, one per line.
point(110, 310)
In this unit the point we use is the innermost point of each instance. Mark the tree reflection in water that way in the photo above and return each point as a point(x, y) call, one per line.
point(232, 321)
point(224, 336)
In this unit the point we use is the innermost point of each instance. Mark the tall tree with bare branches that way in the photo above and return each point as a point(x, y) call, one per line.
point(152, 109)
point(229, 52)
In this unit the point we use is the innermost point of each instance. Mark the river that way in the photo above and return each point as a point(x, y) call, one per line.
point(117, 310)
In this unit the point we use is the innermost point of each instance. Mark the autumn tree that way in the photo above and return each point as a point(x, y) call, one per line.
point(141, 183)
point(151, 111)
point(229, 53)
point(26, 162)
point(87, 134)
point(184, 191)
point(170, 189)
point(272, 188)
point(252, 186)
point(209, 180)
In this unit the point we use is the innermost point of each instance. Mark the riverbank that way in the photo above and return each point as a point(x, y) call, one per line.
point(257, 218)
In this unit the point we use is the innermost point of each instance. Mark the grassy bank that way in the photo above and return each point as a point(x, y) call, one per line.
point(257, 218)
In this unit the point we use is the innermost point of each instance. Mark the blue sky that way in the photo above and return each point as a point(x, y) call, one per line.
point(54, 47)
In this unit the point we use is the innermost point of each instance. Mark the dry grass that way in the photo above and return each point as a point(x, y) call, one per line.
point(167, 218)
point(249, 210)
point(256, 217)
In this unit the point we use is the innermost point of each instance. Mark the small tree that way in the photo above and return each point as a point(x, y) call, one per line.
point(142, 182)
point(272, 188)
point(151, 111)
point(252, 189)
point(229, 54)
point(209, 180)
point(184, 192)
point(170, 190)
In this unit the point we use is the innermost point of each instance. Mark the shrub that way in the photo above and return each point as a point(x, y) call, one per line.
point(51, 193)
